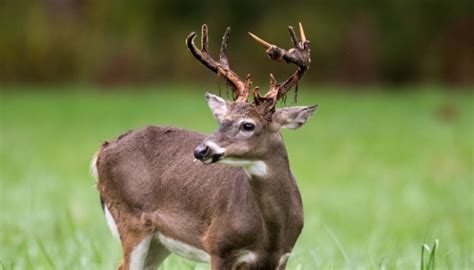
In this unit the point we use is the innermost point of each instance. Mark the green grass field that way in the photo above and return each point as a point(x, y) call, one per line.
point(381, 173)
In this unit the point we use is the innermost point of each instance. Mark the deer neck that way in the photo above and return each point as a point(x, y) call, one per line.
point(274, 188)
point(273, 166)
point(270, 175)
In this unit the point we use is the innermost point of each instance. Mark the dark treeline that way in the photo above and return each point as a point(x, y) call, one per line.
point(118, 41)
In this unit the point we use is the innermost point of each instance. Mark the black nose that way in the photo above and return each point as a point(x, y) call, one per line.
point(201, 151)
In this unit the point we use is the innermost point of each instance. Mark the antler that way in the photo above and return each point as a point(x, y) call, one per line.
point(240, 88)
point(299, 55)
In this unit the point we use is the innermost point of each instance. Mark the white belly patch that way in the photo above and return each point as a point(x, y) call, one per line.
point(182, 249)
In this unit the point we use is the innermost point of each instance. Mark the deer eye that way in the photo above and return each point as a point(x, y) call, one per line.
point(248, 126)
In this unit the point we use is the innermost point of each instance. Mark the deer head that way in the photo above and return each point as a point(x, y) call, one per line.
point(249, 131)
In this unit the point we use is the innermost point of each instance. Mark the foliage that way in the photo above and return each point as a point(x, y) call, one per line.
point(123, 41)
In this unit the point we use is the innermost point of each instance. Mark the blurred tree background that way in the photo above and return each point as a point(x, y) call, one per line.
point(139, 42)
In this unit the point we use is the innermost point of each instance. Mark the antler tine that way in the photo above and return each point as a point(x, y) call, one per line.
point(298, 55)
point(204, 38)
point(260, 41)
point(220, 67)
point(294, 39)
point(202, 56)
point(223, 53)
point(303, 36)
point(245, 94)
point(273, 82)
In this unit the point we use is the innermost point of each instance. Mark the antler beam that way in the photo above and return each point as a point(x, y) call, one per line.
point(221, 67)
point(298, 55)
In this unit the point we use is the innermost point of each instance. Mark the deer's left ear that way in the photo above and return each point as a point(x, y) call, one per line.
point(292, 117)
point(217, 105)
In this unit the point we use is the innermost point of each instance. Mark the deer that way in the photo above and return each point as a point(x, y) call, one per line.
point(229, 198)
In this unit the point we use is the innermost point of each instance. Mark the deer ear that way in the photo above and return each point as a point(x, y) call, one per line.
point(292, 117)
point(218, 106)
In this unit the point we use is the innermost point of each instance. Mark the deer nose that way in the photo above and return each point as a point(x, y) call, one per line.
point(201, 151)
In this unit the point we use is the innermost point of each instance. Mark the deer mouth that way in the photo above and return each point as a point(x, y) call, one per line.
point(212, 159)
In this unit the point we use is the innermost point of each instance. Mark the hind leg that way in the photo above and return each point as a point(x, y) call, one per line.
point(142, 253)
point(135, 248)
point(157, 253)
point(135, 237)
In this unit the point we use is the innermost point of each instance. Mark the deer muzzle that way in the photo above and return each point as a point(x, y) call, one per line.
point(208, 152)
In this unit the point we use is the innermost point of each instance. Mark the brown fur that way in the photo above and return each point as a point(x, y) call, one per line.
point(149, 182)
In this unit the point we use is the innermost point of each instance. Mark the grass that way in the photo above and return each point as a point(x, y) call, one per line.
point(430, 264)
point(380, 174)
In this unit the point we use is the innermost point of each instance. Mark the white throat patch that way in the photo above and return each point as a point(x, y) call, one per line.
point(252, 167)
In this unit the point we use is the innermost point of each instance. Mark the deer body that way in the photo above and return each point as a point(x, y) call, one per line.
point(235, 204)
point(155, 183)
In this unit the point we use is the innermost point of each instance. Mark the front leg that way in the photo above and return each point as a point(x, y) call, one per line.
point(218, 263)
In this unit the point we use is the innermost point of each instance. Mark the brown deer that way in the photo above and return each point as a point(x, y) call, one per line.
point(243, 209)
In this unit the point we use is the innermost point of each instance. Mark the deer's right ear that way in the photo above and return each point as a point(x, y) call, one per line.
point(218, 106)
point(292, 117)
